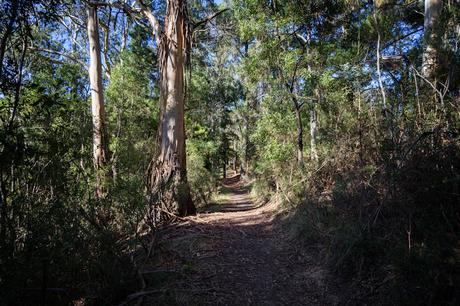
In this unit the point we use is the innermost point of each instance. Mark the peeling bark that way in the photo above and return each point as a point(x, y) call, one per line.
point(170, 190)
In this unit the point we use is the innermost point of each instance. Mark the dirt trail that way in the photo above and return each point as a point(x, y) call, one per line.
point(234, 254)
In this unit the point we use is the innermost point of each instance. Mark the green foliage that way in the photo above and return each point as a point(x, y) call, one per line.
point(132, 114)
point(54, 233)
point(274, 143)
point(379, 204)
point(203, 180)
point(351, 203)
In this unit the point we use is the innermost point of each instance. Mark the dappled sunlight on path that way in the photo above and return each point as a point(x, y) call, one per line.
point(236, 253)
point(239, 198)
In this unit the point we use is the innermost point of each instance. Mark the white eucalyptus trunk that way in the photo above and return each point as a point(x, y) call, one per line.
point(433, 10)
point(97, 97)
point(314, 129)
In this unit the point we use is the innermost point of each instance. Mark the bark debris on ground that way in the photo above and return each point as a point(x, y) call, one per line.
point(233, 253)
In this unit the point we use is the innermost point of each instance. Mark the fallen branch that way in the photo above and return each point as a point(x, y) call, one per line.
point(171, 214)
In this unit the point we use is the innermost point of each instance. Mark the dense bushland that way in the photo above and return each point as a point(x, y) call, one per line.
point(377, 191)
point(59, 241)
point(346, 113)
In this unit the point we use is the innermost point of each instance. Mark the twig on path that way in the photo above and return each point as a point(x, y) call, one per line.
point(207, 256)
point(242, 232)
point(171, 214)
point(152, 271)
point(208, 276)
point(140, 294)
point(177, 217)
point(152, 243)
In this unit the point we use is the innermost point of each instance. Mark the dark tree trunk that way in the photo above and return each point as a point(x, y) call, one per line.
point(6, 35)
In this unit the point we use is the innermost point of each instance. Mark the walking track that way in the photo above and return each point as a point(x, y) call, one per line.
point(233, 253)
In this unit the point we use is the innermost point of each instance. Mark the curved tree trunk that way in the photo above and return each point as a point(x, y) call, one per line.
point(97, 99)
point(168, 178)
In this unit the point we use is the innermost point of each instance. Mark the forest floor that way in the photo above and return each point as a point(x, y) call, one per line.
point(233, 253)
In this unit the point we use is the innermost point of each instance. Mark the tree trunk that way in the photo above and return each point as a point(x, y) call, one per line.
point(430, 61)
point(244, 167)
point(97, 99)
point(169, 187)
point(313, 130)
point(5, 36)
point(299, 135)
point(225, 149)
point(377, 55)
point(235, 159)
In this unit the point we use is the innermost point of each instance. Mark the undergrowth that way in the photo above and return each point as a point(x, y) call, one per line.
point(390, 232)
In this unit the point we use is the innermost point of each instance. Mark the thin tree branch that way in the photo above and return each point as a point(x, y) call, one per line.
point(401, 37)
point(208, 19)
point(302, 39)
point(77, 60)
point(147, 12)
point(131, 11)
point(62, 21)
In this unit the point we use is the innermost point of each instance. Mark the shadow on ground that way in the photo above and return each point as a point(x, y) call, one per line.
point(233, 254)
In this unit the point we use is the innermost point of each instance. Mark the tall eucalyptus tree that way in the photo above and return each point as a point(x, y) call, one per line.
point(170, 191)
point(97, 97)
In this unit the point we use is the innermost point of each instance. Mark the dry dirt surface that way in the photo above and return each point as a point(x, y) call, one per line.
point(233, 253)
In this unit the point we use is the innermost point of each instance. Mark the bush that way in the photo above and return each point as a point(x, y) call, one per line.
point(203, 181)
